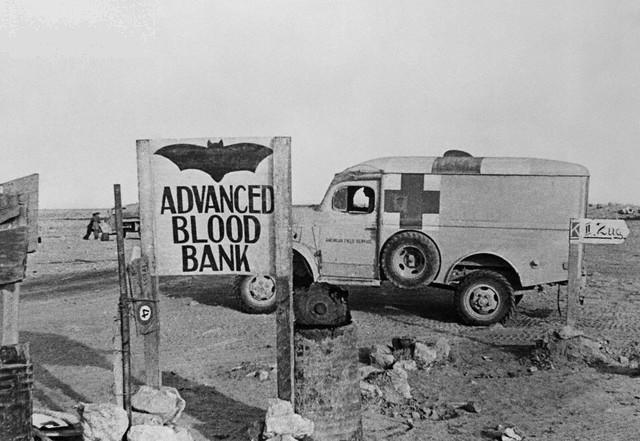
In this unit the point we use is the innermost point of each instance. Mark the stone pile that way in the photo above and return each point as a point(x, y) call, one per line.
point(155, 412)
point(386, 375)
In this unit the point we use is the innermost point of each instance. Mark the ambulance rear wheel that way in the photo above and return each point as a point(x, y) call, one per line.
point(484, 297)
point(256, 293)
point(410, 260)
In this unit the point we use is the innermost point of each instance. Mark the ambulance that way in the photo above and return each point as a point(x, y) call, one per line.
point(485, 228)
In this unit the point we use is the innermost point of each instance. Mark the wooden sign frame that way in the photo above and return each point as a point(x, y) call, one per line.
point(26, 188)
point(279, 244)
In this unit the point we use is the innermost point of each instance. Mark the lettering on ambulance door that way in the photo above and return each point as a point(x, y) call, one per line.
point(349, 233)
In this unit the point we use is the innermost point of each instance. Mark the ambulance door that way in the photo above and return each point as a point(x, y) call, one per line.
point(349, 232)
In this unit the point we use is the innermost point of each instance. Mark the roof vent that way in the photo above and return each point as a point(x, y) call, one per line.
point(456, 154)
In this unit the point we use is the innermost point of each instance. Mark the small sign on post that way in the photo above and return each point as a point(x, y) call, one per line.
point(598, 231)
point(588, 231)
point(216, 206)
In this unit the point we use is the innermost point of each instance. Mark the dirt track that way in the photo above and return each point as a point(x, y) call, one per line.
point(70, 298)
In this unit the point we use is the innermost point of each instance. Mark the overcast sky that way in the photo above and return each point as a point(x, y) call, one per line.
point(349, 80)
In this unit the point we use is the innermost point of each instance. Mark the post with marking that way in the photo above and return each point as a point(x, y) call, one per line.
point(153, 377)
point(575, 271)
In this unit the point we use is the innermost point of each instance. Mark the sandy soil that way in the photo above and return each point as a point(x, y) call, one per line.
point(69, 303)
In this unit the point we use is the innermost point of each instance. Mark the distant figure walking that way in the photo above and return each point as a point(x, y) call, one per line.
point(93, 227)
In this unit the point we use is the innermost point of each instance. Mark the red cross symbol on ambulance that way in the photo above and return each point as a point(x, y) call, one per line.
point(416, 199)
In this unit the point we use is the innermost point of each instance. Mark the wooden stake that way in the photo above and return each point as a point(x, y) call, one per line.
point(123, 304)
point(575, 276)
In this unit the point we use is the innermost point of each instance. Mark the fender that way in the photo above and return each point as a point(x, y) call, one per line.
point(305, 252)
point(447, 278)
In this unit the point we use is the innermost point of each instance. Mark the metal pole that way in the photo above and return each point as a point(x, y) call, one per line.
point(123, 304)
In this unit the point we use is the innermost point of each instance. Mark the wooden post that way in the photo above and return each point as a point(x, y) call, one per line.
point(123, 305)
point(153, 376)
point(283, 256)
point(14, 244)
point(10, 313)
point(575, 272)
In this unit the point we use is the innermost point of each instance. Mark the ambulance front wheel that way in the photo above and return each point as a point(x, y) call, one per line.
point(410, 260)
point(484, 297)
point(256, 293)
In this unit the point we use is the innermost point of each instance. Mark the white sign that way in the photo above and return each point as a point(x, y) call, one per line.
point(598, 231)
point(211, 203)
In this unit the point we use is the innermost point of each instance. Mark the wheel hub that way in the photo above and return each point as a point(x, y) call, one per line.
point(484, 299)
point(262, 288)
point(410, 261)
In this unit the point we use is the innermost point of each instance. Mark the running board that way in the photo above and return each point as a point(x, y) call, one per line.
point(348, 281)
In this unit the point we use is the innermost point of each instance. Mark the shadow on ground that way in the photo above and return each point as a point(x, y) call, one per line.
point(212, 291)
point(430, 303)
point(220, 417)
point(54, 349)
point(68, 284)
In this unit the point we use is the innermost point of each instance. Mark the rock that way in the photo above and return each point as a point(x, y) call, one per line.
point(567, 332)
point(367, 371)
point(391, 396)
point(141, 418)
point(281, 419)
point(443, 412)
point(443, 349)
point(255, 430)
point(424, 355)
point(145, 432)
point(165, 402)
point(471, 406)
point(407, 365)
point(624, 361)
point(262, 375)
point(370, 390)
point(403, 347)
point(510, 434)
point(402, 342)
point(183, 434)
point(381, 356)
point(103, 422)
point(399, 381)
point(532, 369)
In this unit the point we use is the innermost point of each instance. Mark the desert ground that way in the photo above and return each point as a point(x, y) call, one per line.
point(208, 346)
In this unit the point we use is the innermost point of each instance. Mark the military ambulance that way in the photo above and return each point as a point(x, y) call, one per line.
point(485, 228)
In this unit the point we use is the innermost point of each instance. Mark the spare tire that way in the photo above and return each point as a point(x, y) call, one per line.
point(410, 260)
point(256, 293)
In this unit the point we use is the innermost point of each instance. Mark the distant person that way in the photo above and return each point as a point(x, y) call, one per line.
point(93, 227)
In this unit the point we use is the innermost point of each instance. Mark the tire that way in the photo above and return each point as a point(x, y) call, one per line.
point(256, 293)
point(410, 260)
point(484, 297)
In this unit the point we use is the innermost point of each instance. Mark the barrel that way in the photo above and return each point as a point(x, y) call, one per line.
point(327, 385)
point(16, 386)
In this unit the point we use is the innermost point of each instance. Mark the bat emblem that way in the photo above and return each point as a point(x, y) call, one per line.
point(215, 159)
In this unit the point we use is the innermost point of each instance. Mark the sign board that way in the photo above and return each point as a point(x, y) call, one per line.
point(214, 206)
point(598, 231)
point(210, 203)
point(21, 192)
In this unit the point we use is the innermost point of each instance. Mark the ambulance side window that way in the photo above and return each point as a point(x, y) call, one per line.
point(354, 199)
